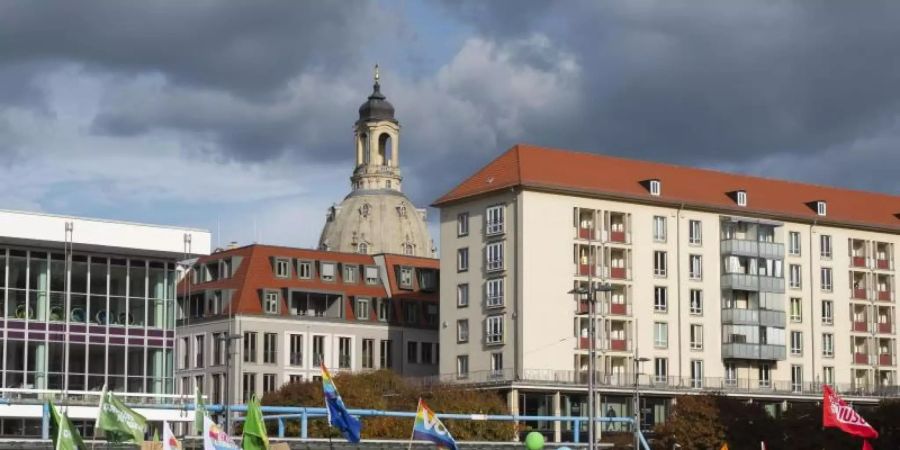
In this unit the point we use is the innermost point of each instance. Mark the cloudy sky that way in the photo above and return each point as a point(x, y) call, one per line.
point(237, 116)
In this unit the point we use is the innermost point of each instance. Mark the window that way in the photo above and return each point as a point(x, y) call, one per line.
point(270, 348)
point(796, 378)
point(462, 366)
point(660, 335)
point(198, 351)
point(659, 263)
point(268, 383)
point(765, 375)
point(655, 187)
point(218, 341)
point(406, 277)
point(494, 288)
point(796, 343)
point(270, 305)
point(494, 330)
point(344, 353)
point(250, 347)
point(185, 352)
point(282, 267)
point(318, 350)
point(696, 267)
point(827, 344)
point(696, 302)
point(350, 274)
point(741, 198)
point(216, 388)
point(659, 228)
point(362, 248)
point(495, 256)
point(795, 276)
point(412, 352)
point(304, 269)
point(249, 386)
point(494, 220)
point(730, 374)
point(431, 314)
point(660, 299)
point(368, 353)
point(427, 353)
point(821, 208)
point(496, 364)
point(462, 259)
point(371, 275)
point(828, 375)
point(294, 379)
point(696, 337)
point(384, 310)
point(462, 224)
point(696, 373)
point(661, 370)
point(412, 312)
point(827, 312)
point(695, 232)
point(825, 246)
point(462, 330)
point(387, 360)
point(462, 295)
point(327, 272)
point(362, 309)
point(296, 356)
point(796, 310)
point(826, 279)
point(794, 243)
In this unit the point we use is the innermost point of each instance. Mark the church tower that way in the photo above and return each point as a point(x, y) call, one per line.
point(376, 217)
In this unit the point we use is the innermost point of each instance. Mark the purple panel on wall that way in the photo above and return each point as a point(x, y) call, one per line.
point(98, 339)
point(97, 330)
point(17, 324)
point(32, 336)
point(57, 337)
point(135, 331)
point(155, 342)
point(77, 328)
point(37, 326)
point(153, 332)
point(57, 327)
point(170, 333)
point(15, 335)
point(116, 330)
point(116, 340)
point(76, 338)
point(134, 341)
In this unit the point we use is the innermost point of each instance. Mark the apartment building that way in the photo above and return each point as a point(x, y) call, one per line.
point(256, 317)
point(716, 282)
point(87, 303)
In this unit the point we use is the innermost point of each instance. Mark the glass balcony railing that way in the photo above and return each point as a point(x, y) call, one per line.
point(764, 317)
point(764, 352)
point(744, 247)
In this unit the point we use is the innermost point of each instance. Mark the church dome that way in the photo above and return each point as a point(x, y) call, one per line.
point(376, 107)
point(377, 221)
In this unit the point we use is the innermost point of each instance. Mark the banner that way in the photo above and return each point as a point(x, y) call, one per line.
point(65, 436)
point(836, 413)
point(214, 438)
point(429, 428)
point(169, 441)
point(119, 423)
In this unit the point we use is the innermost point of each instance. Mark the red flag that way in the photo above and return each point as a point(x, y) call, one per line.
point(836, 413)
point(866, 445)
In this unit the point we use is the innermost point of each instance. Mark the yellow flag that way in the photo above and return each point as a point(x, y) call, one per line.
point(724, 446)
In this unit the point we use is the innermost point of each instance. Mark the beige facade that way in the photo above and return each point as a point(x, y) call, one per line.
point(726, 274)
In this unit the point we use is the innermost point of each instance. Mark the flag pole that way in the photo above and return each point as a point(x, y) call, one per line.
point(413, 433)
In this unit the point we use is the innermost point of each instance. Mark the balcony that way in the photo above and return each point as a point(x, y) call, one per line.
point(619, 345)
point(747, 282)
point(584, 307)
point(886, 328)
point(754, 249)
point(886, 296)
point(584, 343)
point(858, 294)
point(764, 317)
point(618, 237)
point(618, 309)
point(885, 359)
point(586, 233)
point(858, 261)
point(861, 327)
point(618, 273)
point(764, 352)
point(587, 269)
point(861, 358)
point(884, 264)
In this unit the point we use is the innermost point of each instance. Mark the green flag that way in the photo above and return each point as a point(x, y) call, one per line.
point(119, 423)
point(199, 411)
point(155, 436)
point(254, 437)
point(65, 435)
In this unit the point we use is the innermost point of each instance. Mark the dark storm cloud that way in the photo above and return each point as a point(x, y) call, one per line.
point(715, 82)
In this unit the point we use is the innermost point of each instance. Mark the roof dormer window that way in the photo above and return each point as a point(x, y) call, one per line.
point(821, 208)
point(741, 197)
point(655, 187)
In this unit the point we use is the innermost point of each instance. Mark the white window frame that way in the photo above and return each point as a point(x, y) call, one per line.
point(796, 343)
point(328, 271)
point(696, 373)
point(828, 345)
point(696, 302)
point(661, 370)
point(794, 245)
point(655, 188)
point(494, 292)
point(405, 280)
point(660, 299)
point(825, 247)
point(271, 301)
point(695, 268)
point(384, 310)
point(462, 366)
point(494, 219)
point(796, 314)
point(462, 259)
point(696, 336)
point(827, 312)
point(372, 276)
point(821, 208)
point(462, 295)
point(305, 269)
point(494, 256)
point(730, 374)
point(462, 224)
point(828, 375)
point(795, 276)
point(660, 263)
point(741, 198)
point(765, 375)
point(350, 273)
point(827, 279)
point(363, 312)
point(660, 335)
point(659, 228)
point(695, 232)
point(496, 363)
point(462, 331)
point(494, 327)
point(282, 267)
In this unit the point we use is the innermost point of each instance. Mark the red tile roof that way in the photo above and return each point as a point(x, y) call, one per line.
point(587, 174)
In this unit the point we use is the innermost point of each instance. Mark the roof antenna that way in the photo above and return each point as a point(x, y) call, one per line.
point(377, 75)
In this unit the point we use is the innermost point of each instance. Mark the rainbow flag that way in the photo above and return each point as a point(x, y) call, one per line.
point(338, 416)
point(429, 428)
point(214, 438)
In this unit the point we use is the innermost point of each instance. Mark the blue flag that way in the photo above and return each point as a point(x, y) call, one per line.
point(338, 416)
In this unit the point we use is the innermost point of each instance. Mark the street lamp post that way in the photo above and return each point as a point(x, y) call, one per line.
point(228, 338)
point(591, 294)
point(637, 401)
